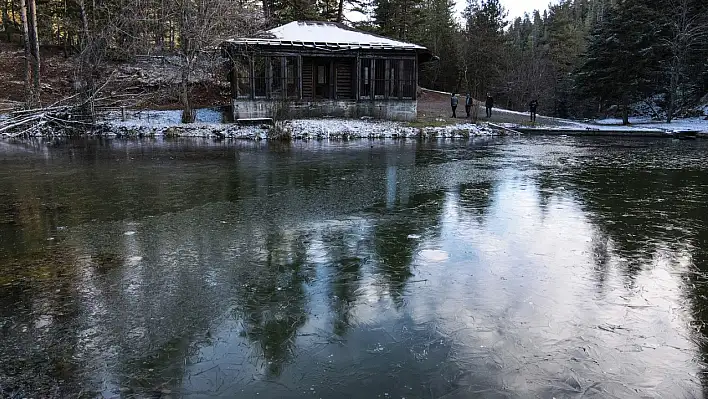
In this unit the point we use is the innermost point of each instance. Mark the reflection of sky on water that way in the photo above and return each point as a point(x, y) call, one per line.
point(410, 271)
point(517, 301)
point(521, 290)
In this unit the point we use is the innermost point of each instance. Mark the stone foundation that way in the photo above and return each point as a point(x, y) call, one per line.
point(397, 110)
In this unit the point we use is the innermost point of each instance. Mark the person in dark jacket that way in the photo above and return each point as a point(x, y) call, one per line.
point(453, 103)
point(468, 104)
point(532, 109)
point(489, 104)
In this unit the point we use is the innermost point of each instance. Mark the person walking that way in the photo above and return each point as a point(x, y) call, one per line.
point(453, 103)
point(468, 104)
point(532, 109)
point(489, 104)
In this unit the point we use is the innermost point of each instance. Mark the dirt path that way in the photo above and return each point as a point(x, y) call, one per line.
point(434, 105)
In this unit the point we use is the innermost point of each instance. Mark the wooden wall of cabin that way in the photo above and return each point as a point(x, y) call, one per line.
point(328, 78)
point(345, 78)
point(380, 76)
point(308, 75)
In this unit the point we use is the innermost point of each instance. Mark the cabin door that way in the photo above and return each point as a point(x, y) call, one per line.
point(322, 81)
point(316, 78)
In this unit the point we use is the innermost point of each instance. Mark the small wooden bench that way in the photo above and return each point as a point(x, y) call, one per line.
point(254, 121)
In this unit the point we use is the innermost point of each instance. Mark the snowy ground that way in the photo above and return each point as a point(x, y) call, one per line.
point(636, 125)
point(690, 124)
point(209, 123)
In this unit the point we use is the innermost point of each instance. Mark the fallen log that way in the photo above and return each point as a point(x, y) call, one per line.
point(500, 127)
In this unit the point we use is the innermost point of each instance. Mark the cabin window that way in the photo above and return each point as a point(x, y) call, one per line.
point(283, 77)
point(276, 78)
point(379, 78)
point(322, 89)
point(241, 78)
point(365, 79)
point(394, 78)
point(408, 83)
point(321, 74)
point(291, 77)
point(260, 77)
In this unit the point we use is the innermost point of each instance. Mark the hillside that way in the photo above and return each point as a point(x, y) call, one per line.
point(148, 82)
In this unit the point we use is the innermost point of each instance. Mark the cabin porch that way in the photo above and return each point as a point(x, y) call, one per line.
point(349, 84)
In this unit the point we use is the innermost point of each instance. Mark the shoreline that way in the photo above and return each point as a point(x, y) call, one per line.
point(212, 123)
point(298, 129)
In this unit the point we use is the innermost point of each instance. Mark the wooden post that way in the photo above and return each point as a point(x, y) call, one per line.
point(269, 77)
point(284, 75)
point(415, 77)
point(387, 78)
point(372, 80)
point(400, 78)
point(233, 75)
point(357, 78)
point(332, 80)
point(252, 70)
point(299, 76)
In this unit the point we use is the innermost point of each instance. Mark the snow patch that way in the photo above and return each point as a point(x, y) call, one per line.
point(167, 123)
point(353, 128)
point(637, 124)
point(690, 124)
point(319, 33)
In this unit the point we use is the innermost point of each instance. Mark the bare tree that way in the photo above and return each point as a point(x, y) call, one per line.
point(6, 20)
point(203, 25)
point(28, 62)
point(34, 50)
point(688, 30)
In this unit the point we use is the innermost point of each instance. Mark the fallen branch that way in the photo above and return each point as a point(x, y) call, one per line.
point(67, 114)
point(503, 128)
point(11, 123)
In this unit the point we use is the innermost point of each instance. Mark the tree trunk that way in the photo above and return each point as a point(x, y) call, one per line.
point(340, 11)
point(671, 106)
point(160, 27)
point(84, 25)
point(34, 39)
point(625, 113)
point(6, 20)
point(268, 8)
point(27, 69)
point(13, 10)
point(188, 114)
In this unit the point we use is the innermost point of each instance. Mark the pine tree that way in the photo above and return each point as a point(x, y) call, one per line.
point(284, 11)
point(566, 42)
point(438, 32)
point(397, 18)
point(621, 61)
point(483, 51)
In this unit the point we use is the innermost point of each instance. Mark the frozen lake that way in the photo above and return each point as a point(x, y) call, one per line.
point(498, 267)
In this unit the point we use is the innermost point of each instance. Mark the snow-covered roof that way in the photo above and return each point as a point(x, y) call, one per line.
point(324, 36)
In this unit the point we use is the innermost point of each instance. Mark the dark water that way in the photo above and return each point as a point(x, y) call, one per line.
point(543, 267)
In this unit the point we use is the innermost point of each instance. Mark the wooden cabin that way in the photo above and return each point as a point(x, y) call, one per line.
point(315, 69)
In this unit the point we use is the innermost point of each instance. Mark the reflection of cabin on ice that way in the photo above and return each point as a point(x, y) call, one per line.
point(310, 69)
